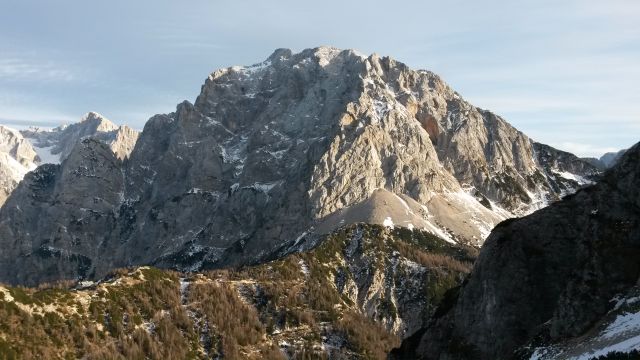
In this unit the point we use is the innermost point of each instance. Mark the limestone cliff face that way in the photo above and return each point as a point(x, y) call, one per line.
point(290, 149)
point(61, 218)
point(547, 278)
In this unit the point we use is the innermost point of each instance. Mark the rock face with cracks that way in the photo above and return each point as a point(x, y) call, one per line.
point(272, 154)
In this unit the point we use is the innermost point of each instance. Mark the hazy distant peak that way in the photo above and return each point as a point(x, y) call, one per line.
point(611, 158)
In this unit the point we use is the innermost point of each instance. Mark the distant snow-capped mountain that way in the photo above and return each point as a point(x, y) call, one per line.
point(54, 145)
point(17, 158)
point(22, 151)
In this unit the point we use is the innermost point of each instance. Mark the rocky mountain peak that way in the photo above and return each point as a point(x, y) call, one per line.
point(281, 53)
point(14, 144)
point(94, 122)
point(55, 145)
point(288, 149)
point(17, 157)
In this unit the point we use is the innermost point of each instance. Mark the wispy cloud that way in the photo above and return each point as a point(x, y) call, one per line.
point(21, 69)
point(18, 109)
point(586, 150)
point(45, 118)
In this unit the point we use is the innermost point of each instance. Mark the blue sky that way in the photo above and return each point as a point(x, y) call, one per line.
point(567, 73)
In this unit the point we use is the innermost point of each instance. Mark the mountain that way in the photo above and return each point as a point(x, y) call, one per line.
point(561, 283)
point(611, 158)
point(17, 158)
point(595, 162)
point(278, 153)
point(55, 145)
point(605, 161)
point(354, 296)
point(22, 151)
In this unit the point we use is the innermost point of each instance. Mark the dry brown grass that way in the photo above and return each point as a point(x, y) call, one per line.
point(432, 260)
point(236, 323)
point(367, 337)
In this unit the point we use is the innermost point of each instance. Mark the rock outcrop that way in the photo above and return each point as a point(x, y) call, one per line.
point(282, 151)
point(546, 278)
